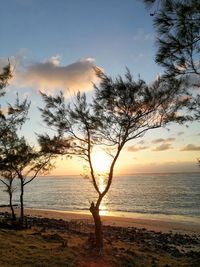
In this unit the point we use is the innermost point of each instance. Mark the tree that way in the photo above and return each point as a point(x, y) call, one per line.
point(7, 179)
point(121, 111)
point(16, 115)
point(22, 161)
point(17, 158)
point(177, 23)
point(10, 122)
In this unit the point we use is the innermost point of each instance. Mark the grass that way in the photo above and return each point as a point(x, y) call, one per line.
point(54, 248)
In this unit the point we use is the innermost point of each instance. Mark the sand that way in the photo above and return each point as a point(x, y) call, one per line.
point(154, 224)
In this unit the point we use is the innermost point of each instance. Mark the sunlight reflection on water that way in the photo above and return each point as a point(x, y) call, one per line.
point(155, 194)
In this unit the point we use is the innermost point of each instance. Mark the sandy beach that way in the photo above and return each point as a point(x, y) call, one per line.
point(154, 224)
point(159, 225)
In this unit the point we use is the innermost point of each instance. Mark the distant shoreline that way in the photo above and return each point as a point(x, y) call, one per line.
point(123, 174)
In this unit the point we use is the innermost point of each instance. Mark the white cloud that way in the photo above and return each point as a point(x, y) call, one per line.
point(51, 75)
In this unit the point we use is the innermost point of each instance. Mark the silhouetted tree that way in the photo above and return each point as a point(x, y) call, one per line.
point(177, 23)
point(10, 120)
point(121, 111)
point(14, 117)
point(5, 76)
point(22, 161)
point(7, 180)
point(17, 158)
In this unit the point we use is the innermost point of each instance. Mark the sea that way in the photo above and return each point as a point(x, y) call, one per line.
point(154, 195)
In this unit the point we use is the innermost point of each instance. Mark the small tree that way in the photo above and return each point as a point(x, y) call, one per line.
point(18, 157)
point(121, 111)
point(7, 180)
point(10, 121)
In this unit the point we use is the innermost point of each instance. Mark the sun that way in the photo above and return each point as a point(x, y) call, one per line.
point(101, 161)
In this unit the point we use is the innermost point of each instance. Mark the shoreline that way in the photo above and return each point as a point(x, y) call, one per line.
point(151, 223)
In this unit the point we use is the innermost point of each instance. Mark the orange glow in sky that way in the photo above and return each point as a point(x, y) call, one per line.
point(101, 161)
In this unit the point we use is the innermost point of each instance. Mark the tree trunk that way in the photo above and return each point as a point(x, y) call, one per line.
point(22, 203)
point(11, 206)
point(98, 226)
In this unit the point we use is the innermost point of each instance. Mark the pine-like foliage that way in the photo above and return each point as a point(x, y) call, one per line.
point(18, 160)
point(177, 23)
point(121, 110)
point(5, 76)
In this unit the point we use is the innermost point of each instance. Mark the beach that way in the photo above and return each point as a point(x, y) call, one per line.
point(127, 241)
point(163, 225)
point(155, 224)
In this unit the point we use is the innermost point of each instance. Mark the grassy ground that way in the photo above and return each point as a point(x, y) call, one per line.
point(57, 248)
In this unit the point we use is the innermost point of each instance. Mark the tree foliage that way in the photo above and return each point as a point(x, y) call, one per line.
point(21, 161)
point(14, 116)
point(7, 178)
point(121, 110)
point(177, 23)
point(5, 76)
point(18, 160)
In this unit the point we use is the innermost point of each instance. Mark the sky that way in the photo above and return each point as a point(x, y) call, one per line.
point(54, 45)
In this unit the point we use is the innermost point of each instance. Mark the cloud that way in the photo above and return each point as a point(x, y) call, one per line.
point(51, 75)
point(161, 140)
point(180, 133)
point(163, 147)
point(190, 147)
point(164, 167)
point(136, 148)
